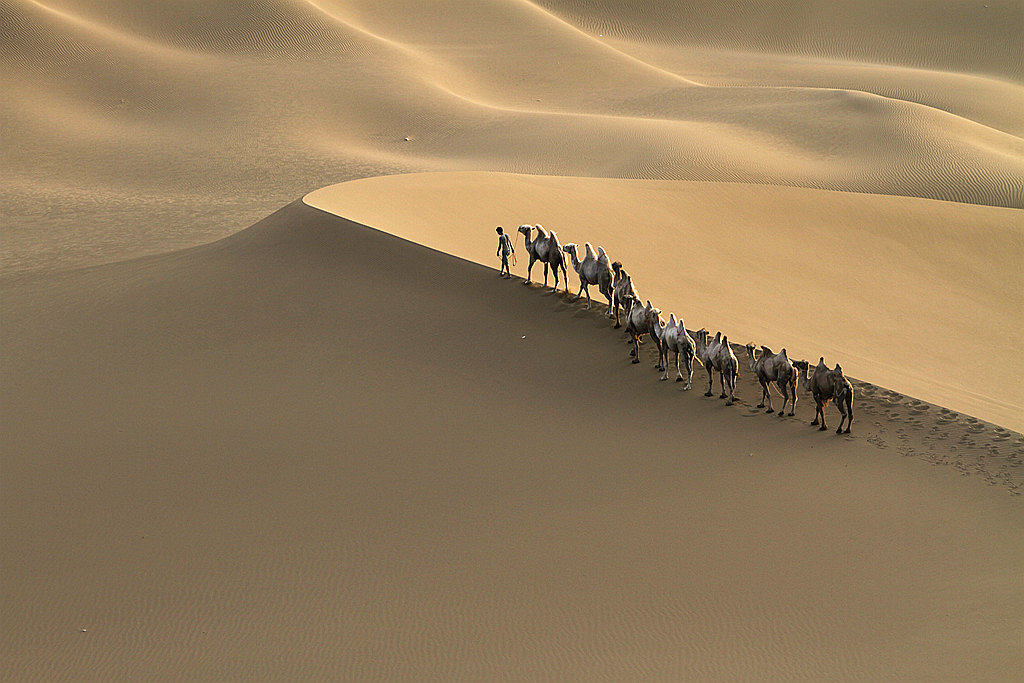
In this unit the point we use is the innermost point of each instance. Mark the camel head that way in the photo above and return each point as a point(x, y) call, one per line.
point(752, 354)
point(569, 247)
point(803, 369)
point(701, 337)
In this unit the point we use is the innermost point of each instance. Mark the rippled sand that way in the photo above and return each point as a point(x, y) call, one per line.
point(244, 438)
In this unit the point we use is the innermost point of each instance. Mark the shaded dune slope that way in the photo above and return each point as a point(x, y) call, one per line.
point(136, 127)
point(314, 450)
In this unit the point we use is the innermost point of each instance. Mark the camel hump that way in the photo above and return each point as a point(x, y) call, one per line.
point(784, 354)
point(601, 253)
point(590, 251)
point(839, 368)
point(671, 318)
point(541, 231)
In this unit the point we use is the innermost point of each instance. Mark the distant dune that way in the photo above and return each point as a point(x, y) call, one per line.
point(251, 437)
point(135, 128)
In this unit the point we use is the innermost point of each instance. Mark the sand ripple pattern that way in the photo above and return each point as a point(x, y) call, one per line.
point(137, 127)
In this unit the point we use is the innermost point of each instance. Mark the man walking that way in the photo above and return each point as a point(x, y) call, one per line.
point(505, 249)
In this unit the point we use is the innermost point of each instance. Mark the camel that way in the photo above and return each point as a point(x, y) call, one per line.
point(717, 355)
point(770, 367)
point(546, 250)
point(642, 320)
point(842, 393)
point(675, 339)
point(593, 270)
point(623, 292)
point(825, 385)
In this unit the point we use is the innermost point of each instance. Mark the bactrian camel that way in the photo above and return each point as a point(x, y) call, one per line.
point(544, 248)
point(623, 291)
point(675, 339)
point(717, 355)
point(770, 367)
point(594, 269)
point(641, 320)
point(825, 385)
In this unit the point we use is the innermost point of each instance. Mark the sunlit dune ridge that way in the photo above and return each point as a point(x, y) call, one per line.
point(138, 127)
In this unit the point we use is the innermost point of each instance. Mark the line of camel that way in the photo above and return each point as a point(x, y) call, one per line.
point(713, 353)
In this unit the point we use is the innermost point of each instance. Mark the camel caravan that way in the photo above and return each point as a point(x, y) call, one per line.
point(715, 354)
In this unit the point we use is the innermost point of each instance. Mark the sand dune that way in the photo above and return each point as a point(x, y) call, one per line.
point(308, 449)
point(281, 456)
point(138, 128)
point(852, 277)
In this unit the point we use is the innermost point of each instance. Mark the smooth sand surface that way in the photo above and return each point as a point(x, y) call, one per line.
point(309, 449)
point(314, 450)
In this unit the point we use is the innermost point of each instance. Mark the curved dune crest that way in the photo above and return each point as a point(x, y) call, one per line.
point(137, 127)
point(308, 448)
point(848, 276)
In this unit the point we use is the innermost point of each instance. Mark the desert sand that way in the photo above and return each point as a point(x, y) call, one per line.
point(268, 413)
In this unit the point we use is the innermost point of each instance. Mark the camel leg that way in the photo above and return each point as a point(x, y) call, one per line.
point(768, 396)
point(679, 375)
point(764, 393)
point(847, 416)
point(732, 389)
point(721, 380)
point(821, 412)
point(785, 398)
point(792, 402)
point(545, 274)
point(587, 290)
point(711, 379)
point(689, 372)
point(636, 348)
